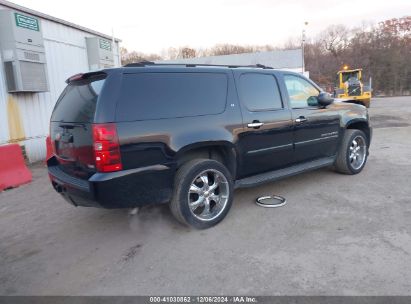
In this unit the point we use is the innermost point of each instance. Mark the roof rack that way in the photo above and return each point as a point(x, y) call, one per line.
point(192, 65)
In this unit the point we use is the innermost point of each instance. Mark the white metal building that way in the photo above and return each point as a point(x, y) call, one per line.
point(38, 53)
point(290, 60)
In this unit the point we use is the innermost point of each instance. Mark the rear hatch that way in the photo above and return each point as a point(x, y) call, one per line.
point(71, 130)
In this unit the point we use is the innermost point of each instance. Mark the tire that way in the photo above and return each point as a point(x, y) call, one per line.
point(192, 189)
point(345, 162)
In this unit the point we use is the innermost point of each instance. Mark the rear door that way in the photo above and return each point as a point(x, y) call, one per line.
point(266, 144)
point(316, 129)
point(71, 126)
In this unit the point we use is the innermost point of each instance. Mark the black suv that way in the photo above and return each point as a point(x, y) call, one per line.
point(188, 135)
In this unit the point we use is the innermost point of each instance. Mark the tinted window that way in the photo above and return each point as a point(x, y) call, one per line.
point(78, 102)
point(259, 92)
point(166, 95)
point(301, 92)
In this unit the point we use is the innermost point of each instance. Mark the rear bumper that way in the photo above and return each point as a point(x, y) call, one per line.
point(122, 189)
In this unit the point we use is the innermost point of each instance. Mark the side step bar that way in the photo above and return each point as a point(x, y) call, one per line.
point(282, 173)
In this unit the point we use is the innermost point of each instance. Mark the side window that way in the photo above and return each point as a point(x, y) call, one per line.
point(302, 93)
point(169, 95)
point(259, 92)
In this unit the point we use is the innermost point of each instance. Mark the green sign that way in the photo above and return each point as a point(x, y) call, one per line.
point(105, 44)
point(27, 22)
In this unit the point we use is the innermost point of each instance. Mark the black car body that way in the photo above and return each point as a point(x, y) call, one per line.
point(120, 135)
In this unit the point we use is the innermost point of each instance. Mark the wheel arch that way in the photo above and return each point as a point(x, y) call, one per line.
point(221, 151)
point(362, 125)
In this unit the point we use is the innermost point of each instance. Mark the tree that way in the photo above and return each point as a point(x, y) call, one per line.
point(130, 57)
point(186, 52)
point(335, 39)
point(383, 51)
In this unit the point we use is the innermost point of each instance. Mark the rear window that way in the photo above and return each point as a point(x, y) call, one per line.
point(170, 95)
point(78, 101)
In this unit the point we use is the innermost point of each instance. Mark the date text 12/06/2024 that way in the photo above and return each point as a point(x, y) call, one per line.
point(204, 299)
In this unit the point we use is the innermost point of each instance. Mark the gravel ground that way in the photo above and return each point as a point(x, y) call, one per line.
point(338, 235)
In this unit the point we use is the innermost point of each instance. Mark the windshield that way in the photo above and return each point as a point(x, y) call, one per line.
point(349, 75)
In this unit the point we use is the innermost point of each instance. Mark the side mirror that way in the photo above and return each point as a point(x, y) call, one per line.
point(324, 99)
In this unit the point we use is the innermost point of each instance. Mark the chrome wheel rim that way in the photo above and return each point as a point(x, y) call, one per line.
point(208, 195)
point(357, 152)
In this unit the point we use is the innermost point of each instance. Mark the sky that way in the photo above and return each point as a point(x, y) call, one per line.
point(152, 26)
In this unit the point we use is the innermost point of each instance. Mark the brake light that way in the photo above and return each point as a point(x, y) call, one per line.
point(74, 78)
point(50, 149)
point(106, 148)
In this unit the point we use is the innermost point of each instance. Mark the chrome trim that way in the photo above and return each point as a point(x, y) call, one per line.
point(255, 124)
point(329, 134)
point(281, 201)
point(300, 119)
point(281, 147)
point(357, 152)
point(208, 195)
point(325, 138)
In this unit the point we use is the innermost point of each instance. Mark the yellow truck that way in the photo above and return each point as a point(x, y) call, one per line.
point(349, 87)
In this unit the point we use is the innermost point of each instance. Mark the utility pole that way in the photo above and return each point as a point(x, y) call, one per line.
point(302, 47)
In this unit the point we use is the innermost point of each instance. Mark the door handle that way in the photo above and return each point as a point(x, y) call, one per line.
point(255, 124)
point(301, 119)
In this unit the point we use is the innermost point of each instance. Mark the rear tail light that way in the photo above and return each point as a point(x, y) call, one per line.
point(50, 150)
point(106, 148)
